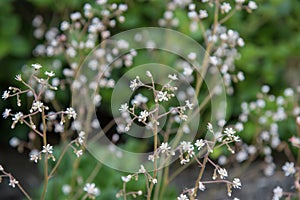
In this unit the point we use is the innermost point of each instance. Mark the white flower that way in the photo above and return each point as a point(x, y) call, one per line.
point(201, 186)
point(164, 147)
point(126, 179)
point(78, 153)
point(18, 77)
point(50, 74)
point(187, 71)
point(139, 99)
point(289, 168)
point(278, 193)
point(182, 197)
point(13, 182)
point(252, 5)
point(34, 155)
point(192, 56)
point(223, 173)
point(229, 131)
point(210, 127)
point(186, 146)
point(135, 83)
point(203, 14)
point(189, 105)
point(162, 96)
point(6, 113)
point(124, 108)
point(37, 105)
point(154, 181)
point(225, 7)
point(239, 1)
point(66, 189)
point(17, 117)
point(36, 66)
point(75, 16)
point(148, 73)
point(173, 77)
point(91, 189)
point(47, 149)
point(143, 116)
point(71, 113)
point(1, 168)
point(142, 169)
point(5, 94)
point(199, 144)
point(81, 137)
point(213, 60)
point(14, 142)
point(64, 26)
point(237, 183)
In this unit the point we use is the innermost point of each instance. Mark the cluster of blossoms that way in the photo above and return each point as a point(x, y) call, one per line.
point(91, 190)
point(269, 111)
point(12, 181)
point(135, 177)
point(207, 147)
point(138, 108)
point(36, 87)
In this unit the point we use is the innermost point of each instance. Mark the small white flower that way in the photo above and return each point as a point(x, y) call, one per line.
point(278, 193)
point(14, 142)
point(225, 7)
point(187, 71)
point(34, 155)
point(37, 105)
point(13, 182)
point(143, 116)
point(17, 117)
point(5, 94)
point(203, 14)
point(252, 5)
point(64, 26)
point(201, 186)
point(237, 183)
point(47, 149)
point(36, 66)
point(223, 173)
point(50, 74)
point(142, 169)
point(75, 16)
point(210, 127)
point(78, 153)
point(189, 105)
point(71, 113)
point(289, 168)
point(6, 113)
point(213, 60)
point(162, 96)
point(1, 168)
point(124, 108)
point(66, 189)
point(135, 83)
point(126, 179)
point(148, 73)
point(182, 197)
point(173, 77)
point(91, 190)
point(18, 77)
point(199, 144)
point(229, 131)
point(154, 181)
point(164, 147)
